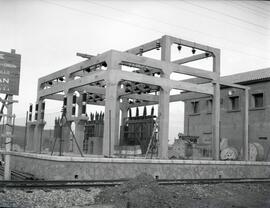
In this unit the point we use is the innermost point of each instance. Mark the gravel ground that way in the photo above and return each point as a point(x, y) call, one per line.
point(143, 192)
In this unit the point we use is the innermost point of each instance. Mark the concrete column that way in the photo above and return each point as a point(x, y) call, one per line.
point(38, 130)
point(216, 110)
point(30, 137)
point(124, 110)
point(245, 125)
point(164, 102)
point(163, 116)
point(79, 134)
point(111, 119)
point(66, 137)
point(69, 95)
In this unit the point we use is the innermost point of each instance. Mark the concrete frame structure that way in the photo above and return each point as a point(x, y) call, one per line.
point(103, 75)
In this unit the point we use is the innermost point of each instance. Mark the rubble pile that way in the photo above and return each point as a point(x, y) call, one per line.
point(142, 191)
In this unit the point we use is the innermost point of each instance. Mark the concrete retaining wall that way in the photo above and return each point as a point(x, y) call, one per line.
point(56, 168)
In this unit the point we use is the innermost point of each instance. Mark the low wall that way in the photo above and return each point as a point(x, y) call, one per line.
point(56, 167)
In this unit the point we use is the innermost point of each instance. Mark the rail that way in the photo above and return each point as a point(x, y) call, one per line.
point(63, 184)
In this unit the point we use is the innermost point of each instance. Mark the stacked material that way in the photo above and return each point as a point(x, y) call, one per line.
point(256, 152)
point(229, 153)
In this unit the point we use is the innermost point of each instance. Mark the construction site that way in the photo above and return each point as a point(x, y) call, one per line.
point(131, 136)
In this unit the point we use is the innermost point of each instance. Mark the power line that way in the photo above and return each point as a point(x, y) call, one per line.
point(129, 23)
point(101, 16)
point(258, 7)
point(230, 23)
point(240, 5)
point(227, 15)
point(167, 23)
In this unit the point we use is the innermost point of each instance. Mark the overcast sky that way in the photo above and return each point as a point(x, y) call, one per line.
point(48, 33)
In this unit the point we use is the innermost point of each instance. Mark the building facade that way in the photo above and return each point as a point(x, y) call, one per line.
point(198, 112)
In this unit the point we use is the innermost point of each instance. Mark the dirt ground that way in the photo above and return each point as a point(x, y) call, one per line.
point(143, 192)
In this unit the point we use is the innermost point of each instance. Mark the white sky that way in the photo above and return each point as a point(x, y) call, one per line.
point(48, 33)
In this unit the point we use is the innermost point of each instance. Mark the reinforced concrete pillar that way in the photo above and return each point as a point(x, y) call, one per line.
point(163, 116)
point(39, 126)
point(245, 125)
point(216, 110)
point(66, 145)
point(164, 102)
point(111, 119)
point(79, 134)
point(30, 136)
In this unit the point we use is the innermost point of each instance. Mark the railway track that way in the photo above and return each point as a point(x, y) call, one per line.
point(64, 184)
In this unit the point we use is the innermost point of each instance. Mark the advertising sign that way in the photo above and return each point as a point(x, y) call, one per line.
point(10, 65)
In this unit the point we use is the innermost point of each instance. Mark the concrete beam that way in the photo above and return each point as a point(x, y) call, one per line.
point(164, 82)
point(146, 47)
point(192, 58)
point(76, 67)
point(165, 66)
point(234, 85)
point(93, 77)
point(193, 45)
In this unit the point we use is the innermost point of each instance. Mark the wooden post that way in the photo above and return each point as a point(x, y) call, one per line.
point(7, 172)
point(246, 120)
point(25, 132)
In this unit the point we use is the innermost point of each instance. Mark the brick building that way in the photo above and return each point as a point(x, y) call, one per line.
point(198, 112)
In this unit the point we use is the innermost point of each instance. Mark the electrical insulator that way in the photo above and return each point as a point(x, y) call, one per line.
point(141, 51)
point(84, 98)
point(137, 111)
point(152, 111)
point(104, 64)
point(42, 110)
point(30, 112)
point(74, 99)
point(65, 102)
point(179, 47)
point(36, 112)
point(193, 51)
point(157, 45)
point(130, 113)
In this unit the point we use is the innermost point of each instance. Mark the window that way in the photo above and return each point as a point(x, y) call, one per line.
point(209, 104)
point(234, 101)
point(195, 106)
point(258, 100)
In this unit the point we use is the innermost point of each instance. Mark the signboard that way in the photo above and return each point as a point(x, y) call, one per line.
point(10, 64)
